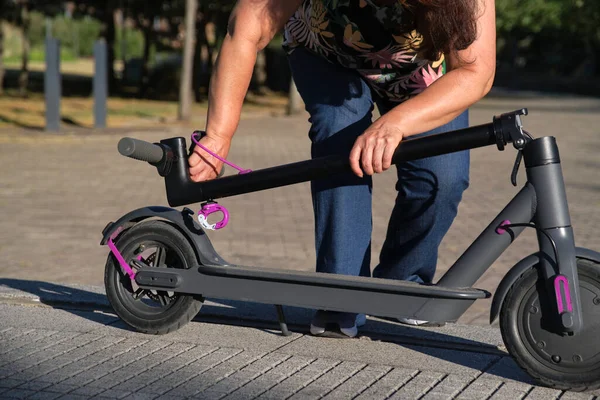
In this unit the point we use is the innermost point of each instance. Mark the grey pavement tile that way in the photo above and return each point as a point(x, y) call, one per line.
point(118, 346)
point(238, 337)
point(38, 346)
point(90, 376)
point(136, 396)
point(88, 391)
point(77, 372)
point(9, 383)
point(578, 396)
point(61, 388)
point(542, 393)
point(508, 371)
point(35, 385)
point(270, 378)
point(511, 390)
point(55, 319)
point(449, 387)
point(419, 385)
point(376, 352)
point(185, 374)
point(480, 389)
point(45, 396)
point(244, 375)
point(166, 367)
point(388, 384)
point(142, 364)
point(57, 369)
point(300, 379)
point(72, 397)
point(9, 333)
point(358, 383)
point(169, 397)
point(17, 342)
point(215, 374)
point(113, 394)
point(17, 394)
point(330, 380)
point(23, 366)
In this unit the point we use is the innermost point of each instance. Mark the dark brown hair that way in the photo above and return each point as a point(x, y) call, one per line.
point(447, 26)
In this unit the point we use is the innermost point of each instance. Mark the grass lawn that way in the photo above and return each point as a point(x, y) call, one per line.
point(18, 112)
point(82, 66)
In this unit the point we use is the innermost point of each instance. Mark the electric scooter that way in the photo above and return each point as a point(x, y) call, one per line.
point(162, 264)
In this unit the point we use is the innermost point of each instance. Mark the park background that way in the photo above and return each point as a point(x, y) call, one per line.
point(544, 45)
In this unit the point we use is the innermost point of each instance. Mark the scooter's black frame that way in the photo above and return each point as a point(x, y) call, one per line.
point(541, 203)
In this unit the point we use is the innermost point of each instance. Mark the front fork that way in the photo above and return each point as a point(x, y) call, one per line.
point(555, 234)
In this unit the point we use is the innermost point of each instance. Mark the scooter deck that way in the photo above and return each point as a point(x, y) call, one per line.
point(375, 296)
point(343, 281)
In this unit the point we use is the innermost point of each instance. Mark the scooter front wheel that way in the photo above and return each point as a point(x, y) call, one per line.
point(157, 244)
point(527, 319)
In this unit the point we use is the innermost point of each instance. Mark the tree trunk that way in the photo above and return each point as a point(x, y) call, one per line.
point(185, 89)
point(108, 33)
point(295, 102)
point(1, 57)
point(123, 26)
point(110, 36)
point(200, 73)
point(148, 36)
point(24, 75)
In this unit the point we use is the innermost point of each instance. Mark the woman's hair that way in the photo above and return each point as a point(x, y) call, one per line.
point(447, 26)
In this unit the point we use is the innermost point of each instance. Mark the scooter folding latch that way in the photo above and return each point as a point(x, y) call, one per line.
point(209, 209)
point(565, 310)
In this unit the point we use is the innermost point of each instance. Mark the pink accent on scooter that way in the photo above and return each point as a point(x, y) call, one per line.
point(557, 282)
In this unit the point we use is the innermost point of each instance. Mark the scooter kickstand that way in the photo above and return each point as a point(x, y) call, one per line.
point(282, 323)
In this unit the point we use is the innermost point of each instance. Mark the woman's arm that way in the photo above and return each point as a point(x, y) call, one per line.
point(252, 25)
point(465, 83)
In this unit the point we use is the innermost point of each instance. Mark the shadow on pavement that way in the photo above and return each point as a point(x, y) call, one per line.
point(433, 342)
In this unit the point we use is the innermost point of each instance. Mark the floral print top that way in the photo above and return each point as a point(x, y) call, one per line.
point(374, 37)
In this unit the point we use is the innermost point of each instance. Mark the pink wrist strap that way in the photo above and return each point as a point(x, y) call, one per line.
point(197, 142)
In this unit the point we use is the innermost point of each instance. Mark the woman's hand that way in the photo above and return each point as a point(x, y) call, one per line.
point(374, 149)
point(203, 166)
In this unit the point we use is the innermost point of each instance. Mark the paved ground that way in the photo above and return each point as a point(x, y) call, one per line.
point(230, 352)
point(58, 193)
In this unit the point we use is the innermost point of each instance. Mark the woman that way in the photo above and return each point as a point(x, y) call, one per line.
point(422, 62)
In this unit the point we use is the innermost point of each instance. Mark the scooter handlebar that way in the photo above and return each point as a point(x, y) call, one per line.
point(141, 150)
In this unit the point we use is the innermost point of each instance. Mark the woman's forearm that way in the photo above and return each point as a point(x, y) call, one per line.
point(470, 78)
point(229, 85)
point(442, 101)
point(252, 25)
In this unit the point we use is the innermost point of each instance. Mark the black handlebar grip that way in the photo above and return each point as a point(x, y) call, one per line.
point(141, 150)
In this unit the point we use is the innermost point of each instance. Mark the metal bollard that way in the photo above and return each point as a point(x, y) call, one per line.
point(100, 83)
point(52, 85)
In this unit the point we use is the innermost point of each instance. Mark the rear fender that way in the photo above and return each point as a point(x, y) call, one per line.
point(183, 220)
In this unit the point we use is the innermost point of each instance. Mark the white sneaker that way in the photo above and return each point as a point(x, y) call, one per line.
point(334, 324)
point(320, 331)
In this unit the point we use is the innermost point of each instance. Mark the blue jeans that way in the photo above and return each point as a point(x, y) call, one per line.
point(340, 105)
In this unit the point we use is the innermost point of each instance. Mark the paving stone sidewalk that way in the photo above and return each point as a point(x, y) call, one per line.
point(58, 192)
point(51, 353)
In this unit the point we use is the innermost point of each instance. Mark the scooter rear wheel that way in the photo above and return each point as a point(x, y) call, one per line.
point(161, 245)
point(527, 318)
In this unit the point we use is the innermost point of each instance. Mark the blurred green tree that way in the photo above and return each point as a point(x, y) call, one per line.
point(563, 35)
